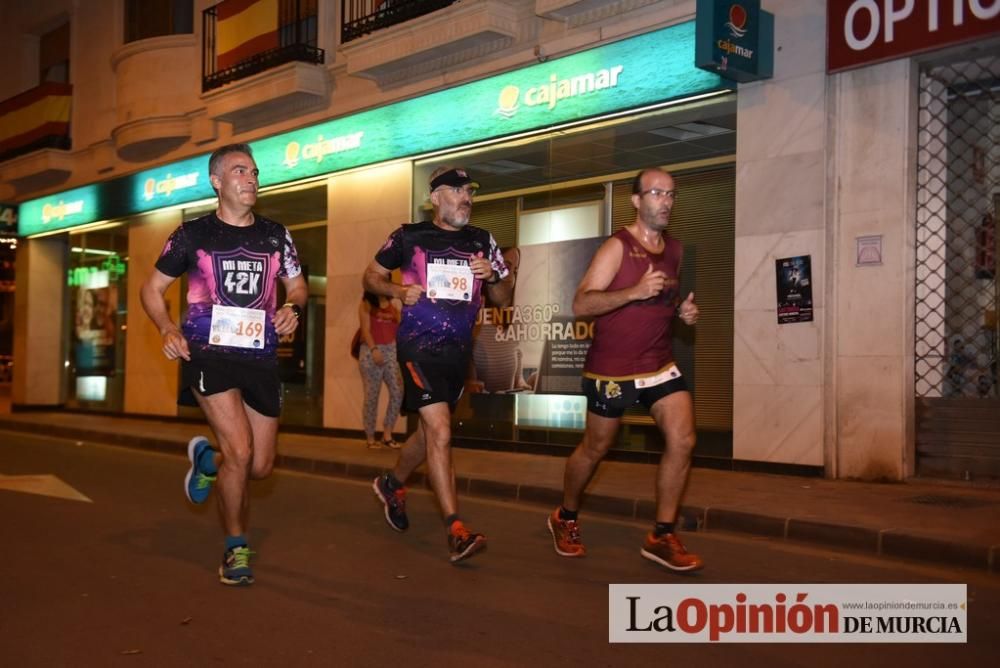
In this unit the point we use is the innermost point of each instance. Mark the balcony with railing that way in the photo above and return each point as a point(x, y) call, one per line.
point(392, 41)
point(366, 16)
point(260, 60)
point(35, 136)
point(243, 38)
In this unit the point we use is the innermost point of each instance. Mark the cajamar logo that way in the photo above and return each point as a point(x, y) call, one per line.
point(551, 93)
point(61, 210)
point(737, 21)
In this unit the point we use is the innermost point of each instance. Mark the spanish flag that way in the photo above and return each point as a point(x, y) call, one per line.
point(35, 114)
point(244, 28)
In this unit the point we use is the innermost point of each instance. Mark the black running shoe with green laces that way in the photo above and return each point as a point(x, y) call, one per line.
point(235, 569)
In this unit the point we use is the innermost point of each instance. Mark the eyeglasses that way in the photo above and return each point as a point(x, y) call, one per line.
point(458, 190)
point(658, 193)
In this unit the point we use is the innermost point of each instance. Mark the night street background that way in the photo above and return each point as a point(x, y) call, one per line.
point(130, 579)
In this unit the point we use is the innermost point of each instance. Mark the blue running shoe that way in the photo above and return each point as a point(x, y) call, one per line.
point(235, 569)
point(394, 502)
point(197, 485)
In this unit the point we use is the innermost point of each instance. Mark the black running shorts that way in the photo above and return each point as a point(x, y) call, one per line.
point(610, 398)
point(432, 382)
point(259, 384)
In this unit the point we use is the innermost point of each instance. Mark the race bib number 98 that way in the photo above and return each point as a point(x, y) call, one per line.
point(237, 327)
point(449, 281)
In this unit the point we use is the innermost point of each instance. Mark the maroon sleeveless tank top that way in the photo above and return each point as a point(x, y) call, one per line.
point(634, 340)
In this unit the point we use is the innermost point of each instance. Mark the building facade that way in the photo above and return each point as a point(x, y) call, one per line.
point(837, 217)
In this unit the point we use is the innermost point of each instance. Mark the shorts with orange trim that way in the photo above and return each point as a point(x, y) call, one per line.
point(431, 382)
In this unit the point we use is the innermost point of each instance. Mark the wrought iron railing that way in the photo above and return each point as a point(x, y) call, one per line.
point(297, 31)
point(361, 17)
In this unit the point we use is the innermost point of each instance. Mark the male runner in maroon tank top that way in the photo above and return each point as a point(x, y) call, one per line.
point(631, 291)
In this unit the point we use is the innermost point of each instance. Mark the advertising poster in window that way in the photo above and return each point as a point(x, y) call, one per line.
point(94, 329)
point(794, 279)
point(536, 345)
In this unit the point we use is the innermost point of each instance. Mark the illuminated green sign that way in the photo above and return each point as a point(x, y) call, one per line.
point(113, 266)
point(643, 70)
point(59, 212)
point(648, 69)
point(176, 183)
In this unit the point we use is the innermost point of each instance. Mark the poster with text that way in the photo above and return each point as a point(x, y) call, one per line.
point(95, 330)
point(794, 279)
point(536, 345)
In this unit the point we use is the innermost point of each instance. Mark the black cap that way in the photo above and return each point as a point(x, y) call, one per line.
point(453, 177)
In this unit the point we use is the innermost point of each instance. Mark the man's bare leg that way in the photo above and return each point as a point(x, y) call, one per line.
point(411, 455)
point(228, 419)
point(435, 421)
point(598, 436)
point(674, 415)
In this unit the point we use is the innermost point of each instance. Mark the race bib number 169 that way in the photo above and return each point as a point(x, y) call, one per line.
point(237, 327)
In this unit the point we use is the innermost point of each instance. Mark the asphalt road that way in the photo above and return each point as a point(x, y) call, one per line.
point(130, 579)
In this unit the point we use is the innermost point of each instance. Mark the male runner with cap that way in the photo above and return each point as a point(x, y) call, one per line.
point(445, 265)
point(631, 291)
point(228, 341)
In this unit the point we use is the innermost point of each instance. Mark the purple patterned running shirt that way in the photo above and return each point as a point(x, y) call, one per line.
point(229, 266)
point(433, 328)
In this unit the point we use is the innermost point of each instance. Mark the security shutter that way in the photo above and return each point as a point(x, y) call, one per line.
point(957, 287)
point(499, 217)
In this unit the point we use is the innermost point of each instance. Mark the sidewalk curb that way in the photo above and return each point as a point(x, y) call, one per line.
point(888, 542)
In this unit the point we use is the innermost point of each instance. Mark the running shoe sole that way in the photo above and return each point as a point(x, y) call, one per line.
point(667, 564)
point(473, 548)
point(385, 505)
point(242, 581)
point(555, 542)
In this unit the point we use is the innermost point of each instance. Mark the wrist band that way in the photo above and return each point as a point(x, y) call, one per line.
point(494, 279)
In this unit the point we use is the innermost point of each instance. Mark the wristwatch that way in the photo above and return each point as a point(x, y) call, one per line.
point(296, 309)
point(494, 278)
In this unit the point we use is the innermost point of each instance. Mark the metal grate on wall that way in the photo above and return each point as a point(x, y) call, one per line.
point(958, 191)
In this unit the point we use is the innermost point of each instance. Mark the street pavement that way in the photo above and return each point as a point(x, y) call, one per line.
point(127, 578)
point(953, 524)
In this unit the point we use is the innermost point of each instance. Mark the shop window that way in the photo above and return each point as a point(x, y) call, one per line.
point(581, 221)
point(97, 288)
point(550, 203)
point(155, 18)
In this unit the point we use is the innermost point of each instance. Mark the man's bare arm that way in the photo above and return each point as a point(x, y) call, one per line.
point(592, 296)
point(155, 305)
point(377, 280)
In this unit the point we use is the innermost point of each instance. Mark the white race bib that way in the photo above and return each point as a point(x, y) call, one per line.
point(449, 281)
point(237, 327)
point(670, 373)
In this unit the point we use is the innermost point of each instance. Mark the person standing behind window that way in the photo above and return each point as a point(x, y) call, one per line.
point(379, 319)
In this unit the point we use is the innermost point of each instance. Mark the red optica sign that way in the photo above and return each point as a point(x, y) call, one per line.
point(862, 32)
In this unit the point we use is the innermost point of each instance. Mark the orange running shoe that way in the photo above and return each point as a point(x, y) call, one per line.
point(667, 550)
point(565, 536)
point(463, 543)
